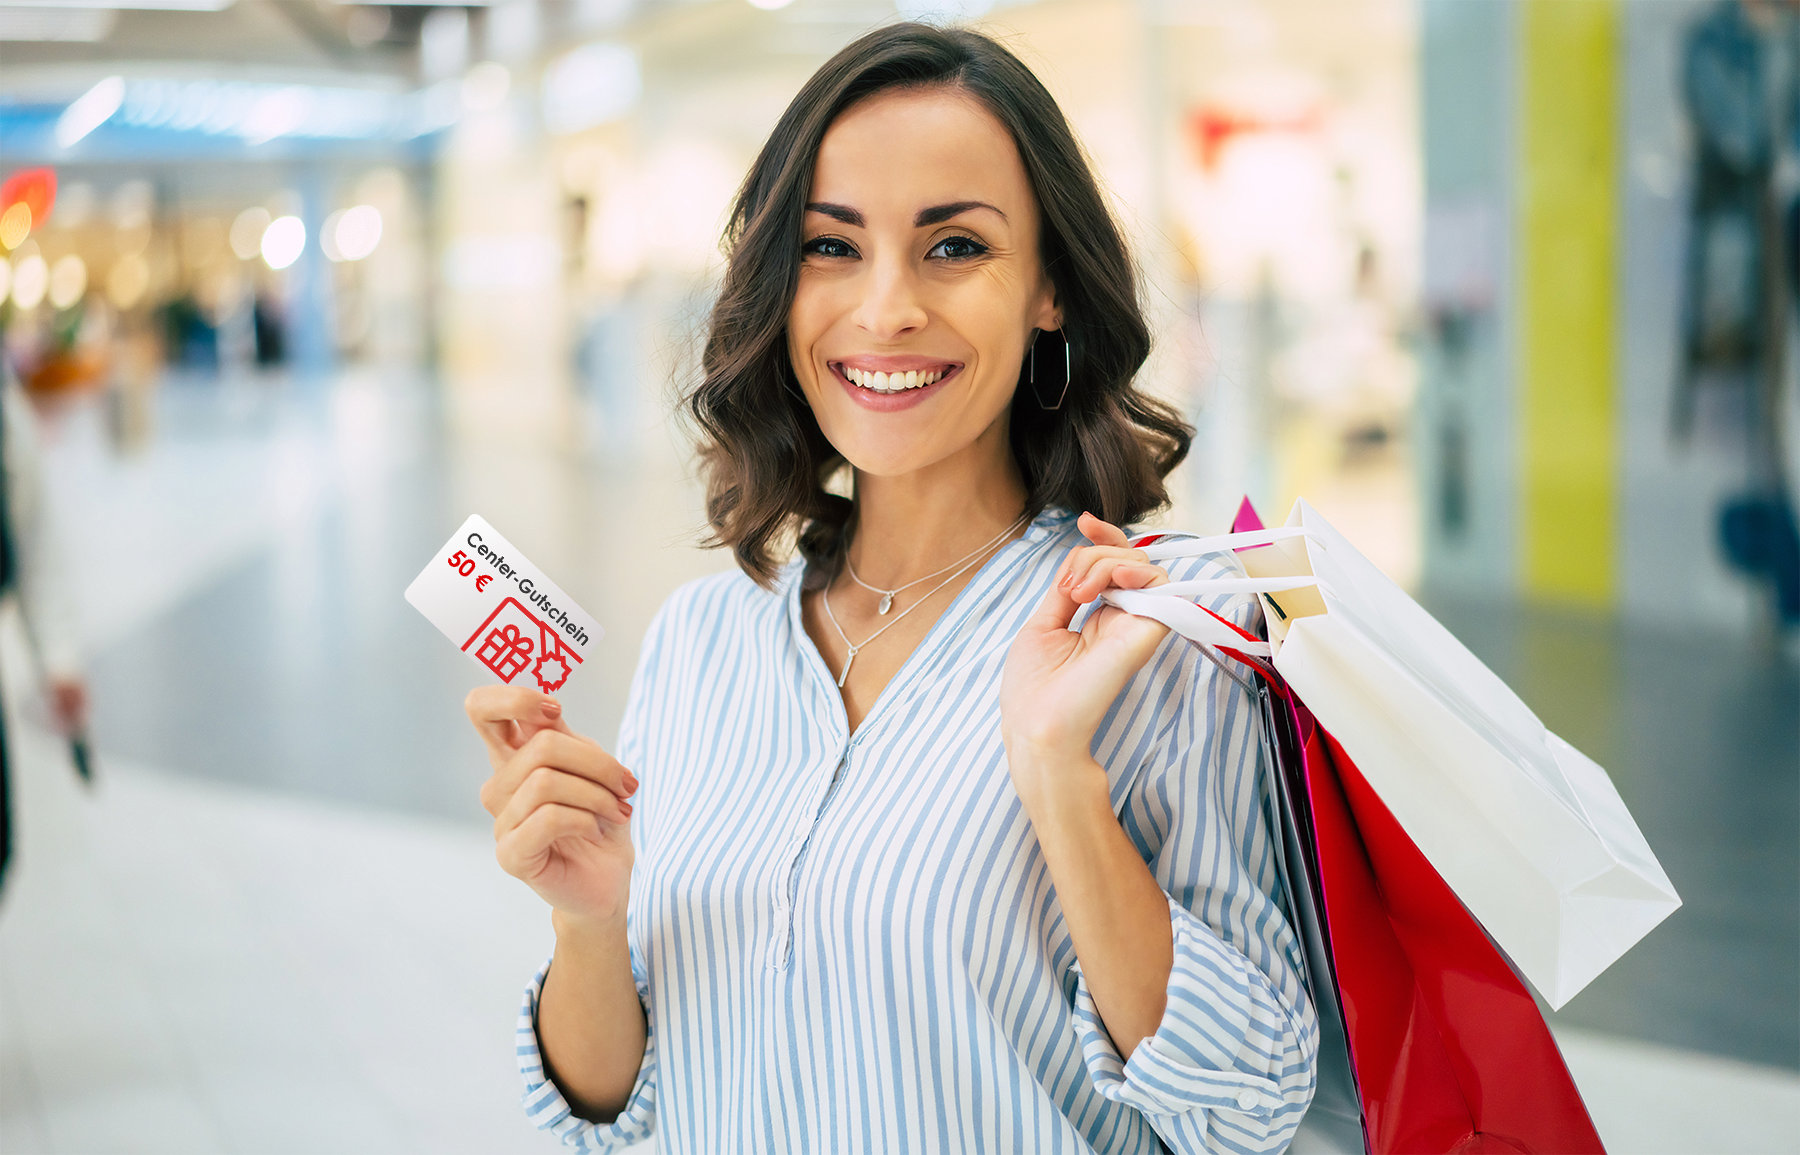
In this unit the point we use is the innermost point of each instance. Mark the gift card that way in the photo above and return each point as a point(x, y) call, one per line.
point(502, 611)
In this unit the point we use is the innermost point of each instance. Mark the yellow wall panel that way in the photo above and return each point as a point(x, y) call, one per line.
point(1568, 239)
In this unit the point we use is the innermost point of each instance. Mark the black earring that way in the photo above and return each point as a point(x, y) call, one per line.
point(1064, 391)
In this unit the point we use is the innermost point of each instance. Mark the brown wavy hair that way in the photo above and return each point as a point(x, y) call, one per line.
point(1107, 449)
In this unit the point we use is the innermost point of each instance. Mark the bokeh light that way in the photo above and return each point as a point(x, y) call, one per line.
point(90, 110)
point(591, 85)
point(35, 188)
point(351, 234)
point(31, 277)
point(15, 225)
point(283, 241)
point(247, 232)
point(68, 281)
point(484, 88)
point(128, 281)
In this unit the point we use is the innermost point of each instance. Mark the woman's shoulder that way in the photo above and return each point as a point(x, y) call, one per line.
point(727, 596)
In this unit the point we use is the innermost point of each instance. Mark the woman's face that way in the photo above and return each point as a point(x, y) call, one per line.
point(920, 282)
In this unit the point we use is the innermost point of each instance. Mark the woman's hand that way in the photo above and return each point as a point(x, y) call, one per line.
point(1058, 685)
point(1056, 688)
point(562, 824)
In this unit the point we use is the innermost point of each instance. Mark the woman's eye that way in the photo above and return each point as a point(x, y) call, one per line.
point(957, 249)
point(827, 247)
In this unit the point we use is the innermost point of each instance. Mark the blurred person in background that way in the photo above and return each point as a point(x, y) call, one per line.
point(34, 567)
point(922, 868)
point(1741, 84)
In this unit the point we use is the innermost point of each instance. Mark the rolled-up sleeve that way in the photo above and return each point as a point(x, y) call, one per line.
point(1232, 1065)
point(549, 1111)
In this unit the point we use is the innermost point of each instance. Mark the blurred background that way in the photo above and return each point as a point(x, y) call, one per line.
point(1505, 288)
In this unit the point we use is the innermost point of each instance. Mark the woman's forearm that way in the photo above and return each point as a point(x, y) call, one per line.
point(1117, 914)
point(591, 1029)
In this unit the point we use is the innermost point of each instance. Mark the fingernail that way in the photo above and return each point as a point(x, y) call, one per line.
point(626, 807)
point(552, 708)
point(631, 782)
point(1062, 583)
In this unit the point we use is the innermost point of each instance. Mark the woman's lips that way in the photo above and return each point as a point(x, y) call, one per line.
point(888, 402)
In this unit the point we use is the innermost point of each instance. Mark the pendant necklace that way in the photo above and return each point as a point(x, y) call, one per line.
point(887, 596)
point(966, 564)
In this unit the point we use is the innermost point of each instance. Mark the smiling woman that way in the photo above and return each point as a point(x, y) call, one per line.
point(891, 858)
point(953, 102)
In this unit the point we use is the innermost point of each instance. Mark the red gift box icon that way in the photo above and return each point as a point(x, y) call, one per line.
point(514, 640)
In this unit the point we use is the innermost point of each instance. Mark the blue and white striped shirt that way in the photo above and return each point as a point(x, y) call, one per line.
point(850, 942)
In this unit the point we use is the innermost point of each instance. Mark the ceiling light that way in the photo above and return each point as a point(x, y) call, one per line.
point(90, 110)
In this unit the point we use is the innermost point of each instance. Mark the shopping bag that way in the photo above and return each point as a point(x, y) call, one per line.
point(1429, 1041)
point(1333, 1122)
point(1529, 833)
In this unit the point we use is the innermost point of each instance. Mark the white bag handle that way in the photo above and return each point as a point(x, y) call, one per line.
point(1261, 585)
point(1220, 543)
point(1184, 617)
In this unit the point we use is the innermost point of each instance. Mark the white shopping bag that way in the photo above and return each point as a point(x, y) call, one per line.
point(1529, 833)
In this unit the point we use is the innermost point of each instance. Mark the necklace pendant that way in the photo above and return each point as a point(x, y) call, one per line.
point(887, 603)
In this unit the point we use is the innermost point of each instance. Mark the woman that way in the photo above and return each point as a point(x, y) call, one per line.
point(911, 866)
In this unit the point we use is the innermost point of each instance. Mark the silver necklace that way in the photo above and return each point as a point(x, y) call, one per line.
point(887, 596)
point(968, 563)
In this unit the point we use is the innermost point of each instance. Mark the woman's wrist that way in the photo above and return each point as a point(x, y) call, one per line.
point(1056, 783)
point(586, 932)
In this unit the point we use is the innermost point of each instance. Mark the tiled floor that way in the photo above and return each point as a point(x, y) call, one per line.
point(278, 927)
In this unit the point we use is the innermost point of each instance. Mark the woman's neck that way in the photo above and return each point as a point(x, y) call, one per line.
point(912, 525)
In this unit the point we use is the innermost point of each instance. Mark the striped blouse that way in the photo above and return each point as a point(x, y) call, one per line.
point(850, 942)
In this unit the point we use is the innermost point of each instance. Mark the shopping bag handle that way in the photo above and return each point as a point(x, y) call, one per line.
point(1184, 617)
point(1168, 548)
point(1246, 585)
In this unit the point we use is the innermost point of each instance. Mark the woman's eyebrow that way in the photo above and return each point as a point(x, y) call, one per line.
point(938, 214)
point(843, 214)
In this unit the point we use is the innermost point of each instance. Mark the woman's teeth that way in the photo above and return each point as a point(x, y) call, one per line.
point(892, 382)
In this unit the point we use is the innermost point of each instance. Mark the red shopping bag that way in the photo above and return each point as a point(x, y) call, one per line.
point(1447, 1051)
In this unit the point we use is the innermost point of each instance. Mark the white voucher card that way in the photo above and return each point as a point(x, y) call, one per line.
point(502, 611)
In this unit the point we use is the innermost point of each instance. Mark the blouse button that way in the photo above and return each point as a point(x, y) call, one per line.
point(1248, 1100)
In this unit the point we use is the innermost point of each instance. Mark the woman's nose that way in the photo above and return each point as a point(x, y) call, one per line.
point(890, 306)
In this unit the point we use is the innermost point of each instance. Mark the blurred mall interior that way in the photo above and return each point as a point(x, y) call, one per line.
point(1505, 288)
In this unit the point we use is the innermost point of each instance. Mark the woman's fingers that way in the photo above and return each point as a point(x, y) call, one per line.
point(546, 786)
point(508, 716)
point(1092, 570)
point(523, 850)
point(556, 750)
point(1084, 558)
point(1100, 532)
